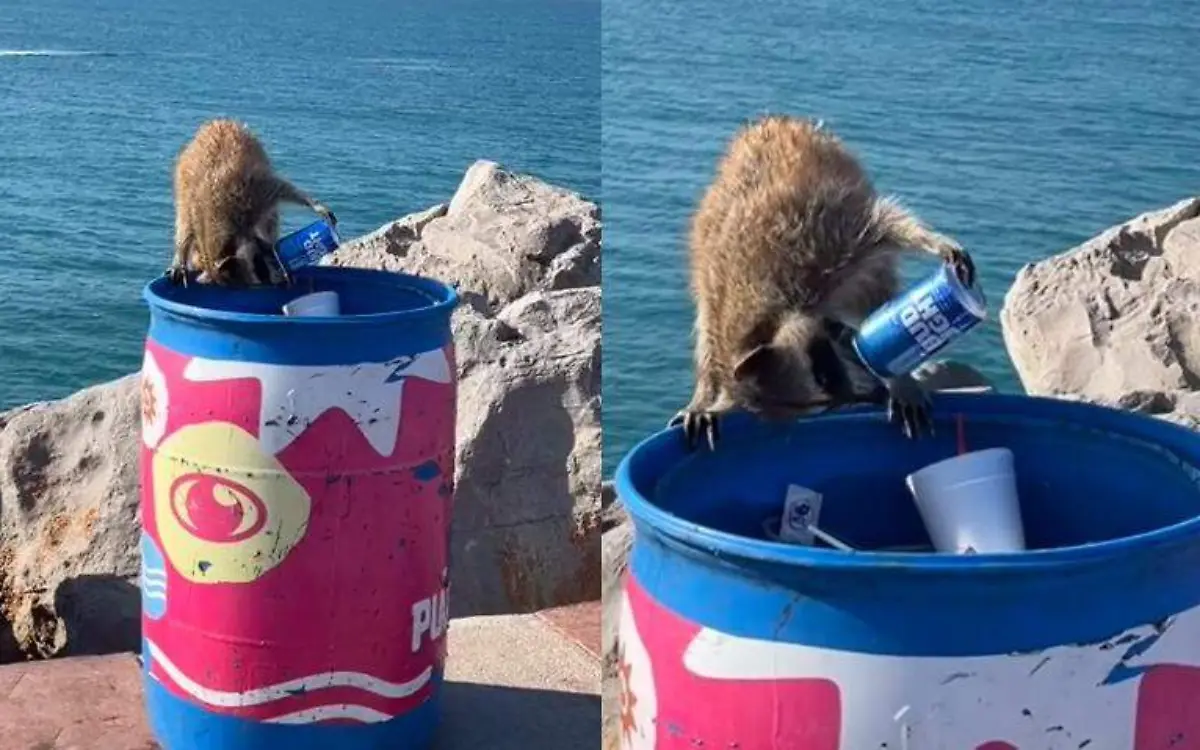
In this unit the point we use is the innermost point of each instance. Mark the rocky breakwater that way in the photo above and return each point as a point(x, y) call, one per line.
point(525, 257)
point(1116, 320)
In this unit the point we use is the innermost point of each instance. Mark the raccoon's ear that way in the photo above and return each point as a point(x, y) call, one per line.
point(759, 364)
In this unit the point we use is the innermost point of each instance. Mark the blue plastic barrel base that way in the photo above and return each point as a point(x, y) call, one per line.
point(181, 725)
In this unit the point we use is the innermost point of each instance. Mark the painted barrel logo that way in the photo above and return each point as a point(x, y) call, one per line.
point(216, 509)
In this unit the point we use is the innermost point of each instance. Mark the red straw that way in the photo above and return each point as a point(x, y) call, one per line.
point(962, 434)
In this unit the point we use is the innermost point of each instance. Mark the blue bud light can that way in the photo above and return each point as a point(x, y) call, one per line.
point(895, 339)
point(307, 246)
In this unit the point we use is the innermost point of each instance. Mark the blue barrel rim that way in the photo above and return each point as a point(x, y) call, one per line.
point(648, 517)
point(443, 299)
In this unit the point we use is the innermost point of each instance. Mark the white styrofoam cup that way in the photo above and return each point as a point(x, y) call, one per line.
point(317, 304)
point(969, 503)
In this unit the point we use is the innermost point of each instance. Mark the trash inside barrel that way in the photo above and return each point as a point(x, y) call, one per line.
point(296, 502)
point(1088, 637)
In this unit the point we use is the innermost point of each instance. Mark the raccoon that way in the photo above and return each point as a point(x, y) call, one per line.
point(227, 208)
point(790, 249)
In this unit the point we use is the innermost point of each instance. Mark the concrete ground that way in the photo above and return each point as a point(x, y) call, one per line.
point(521, 682)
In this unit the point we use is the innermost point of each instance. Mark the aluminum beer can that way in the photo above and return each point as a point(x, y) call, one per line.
point(895, 339)
point(308, 245)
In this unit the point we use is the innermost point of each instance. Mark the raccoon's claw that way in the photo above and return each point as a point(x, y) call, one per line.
point(698, 423)
point(280, 275)
point(285, 278)
point(177, 275)
point(962, 265)
point(326, 214)
point(908, 405)
point(913, 418)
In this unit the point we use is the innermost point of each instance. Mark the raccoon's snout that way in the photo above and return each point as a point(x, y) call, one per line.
point(253, 263)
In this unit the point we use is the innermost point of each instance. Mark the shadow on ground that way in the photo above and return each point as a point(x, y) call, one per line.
point(102, 614)
point(507, 718)
point(8, 644)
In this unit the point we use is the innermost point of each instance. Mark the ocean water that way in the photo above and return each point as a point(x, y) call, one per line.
point(1021, 128)
point(375, 107)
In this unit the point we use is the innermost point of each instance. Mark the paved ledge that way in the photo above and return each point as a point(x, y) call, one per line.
point(520, 682)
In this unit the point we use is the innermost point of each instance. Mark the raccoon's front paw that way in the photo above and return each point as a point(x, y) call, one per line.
point(697, 423)
point(960, 262)
point(277, 272)
point(325, 214)
point(177, 275)
point(908, 405)
point(281, 277)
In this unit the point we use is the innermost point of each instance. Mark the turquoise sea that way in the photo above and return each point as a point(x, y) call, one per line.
point(1022, 128)
point(375, 106)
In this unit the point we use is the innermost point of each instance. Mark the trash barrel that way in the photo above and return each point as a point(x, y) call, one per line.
point(297, 488)
point(1090, 639)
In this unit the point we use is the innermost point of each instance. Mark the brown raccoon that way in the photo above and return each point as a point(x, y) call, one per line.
point(227, 208)
point(790, 249)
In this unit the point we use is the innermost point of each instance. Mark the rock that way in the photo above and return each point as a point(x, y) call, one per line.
point(527, 498)
point(527, 526)
point(616, 545)
point(617, 542)
point(500, 237)
point(1116, 315)
point(69, 523)
point(612, 512)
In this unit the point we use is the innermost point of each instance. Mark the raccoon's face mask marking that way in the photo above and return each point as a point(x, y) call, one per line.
point(800, 370)
point(251, 263)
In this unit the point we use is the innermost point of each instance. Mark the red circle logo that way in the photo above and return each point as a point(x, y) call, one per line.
point(217, 509)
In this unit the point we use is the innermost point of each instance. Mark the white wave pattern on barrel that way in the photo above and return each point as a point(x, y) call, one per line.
point(332, 711)
point(289, 688)
point(154, 584)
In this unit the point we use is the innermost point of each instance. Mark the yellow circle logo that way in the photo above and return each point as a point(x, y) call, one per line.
point(227, 511)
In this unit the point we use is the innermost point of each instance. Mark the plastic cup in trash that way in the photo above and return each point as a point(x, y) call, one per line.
point(969, 503)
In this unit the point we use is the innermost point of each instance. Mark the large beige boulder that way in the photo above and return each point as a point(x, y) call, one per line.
point(500, 237)
point(69, 524)
point(527, 498)
point(525, 256)
point(1114, 316)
